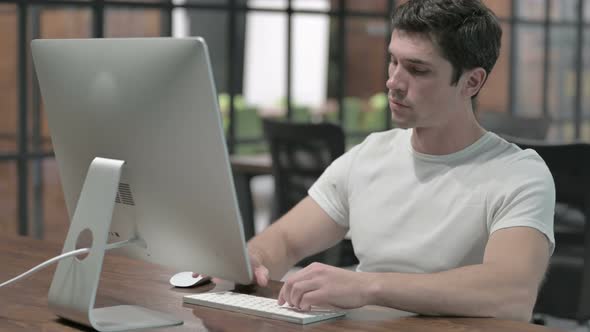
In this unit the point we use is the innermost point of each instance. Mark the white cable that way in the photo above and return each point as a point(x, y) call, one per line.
point(64, 256)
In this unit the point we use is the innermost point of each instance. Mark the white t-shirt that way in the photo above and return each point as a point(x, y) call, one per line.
point(416, 213)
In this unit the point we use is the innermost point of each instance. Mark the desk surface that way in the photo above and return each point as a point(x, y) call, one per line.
point(23, 305)
point(259, 164)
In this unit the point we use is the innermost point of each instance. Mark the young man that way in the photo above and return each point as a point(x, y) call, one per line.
point(444, 217)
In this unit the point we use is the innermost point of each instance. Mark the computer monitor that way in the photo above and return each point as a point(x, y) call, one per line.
point(147, 108)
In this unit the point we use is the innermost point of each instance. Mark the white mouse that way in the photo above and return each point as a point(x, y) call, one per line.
point(186, 279)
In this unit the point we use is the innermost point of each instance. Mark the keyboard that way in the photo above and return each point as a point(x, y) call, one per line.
point(260, 306)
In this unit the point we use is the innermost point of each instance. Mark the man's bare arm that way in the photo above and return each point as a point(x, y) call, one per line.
point(505, 285)
point(304, 230)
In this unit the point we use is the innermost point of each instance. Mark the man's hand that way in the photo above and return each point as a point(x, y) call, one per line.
point(259, 271)
point(327, 286)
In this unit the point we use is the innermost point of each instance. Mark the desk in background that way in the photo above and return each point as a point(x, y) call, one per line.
point(23, 305)
point(244, 168)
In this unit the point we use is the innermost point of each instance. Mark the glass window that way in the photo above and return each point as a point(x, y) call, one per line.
point(213, 27)
point(268, 4)
point(564, 10)
point(309, 80)
point(502, 8)
point(8, 78)
point(330, 112)
point(265, 63)
point(562, 81)
point(132, 22)
point(334, 4)
point(64, 23)
point(530, 9)
point(374, 6)
point(529, 66)
point(207, 2)
point(153, 1)
point(314, 5)
point(365, 103)
point(494, 94)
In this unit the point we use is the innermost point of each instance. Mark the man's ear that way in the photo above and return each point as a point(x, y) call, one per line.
point(474, 80)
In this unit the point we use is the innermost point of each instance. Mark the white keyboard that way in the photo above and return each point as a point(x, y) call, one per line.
point(259, 306)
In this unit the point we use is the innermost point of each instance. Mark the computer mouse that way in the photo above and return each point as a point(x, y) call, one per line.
point(186, 279)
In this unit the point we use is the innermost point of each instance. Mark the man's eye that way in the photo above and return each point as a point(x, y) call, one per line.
point(418, 71)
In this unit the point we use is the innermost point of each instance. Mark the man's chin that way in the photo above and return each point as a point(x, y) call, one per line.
point(401, 118)
point(400, 123)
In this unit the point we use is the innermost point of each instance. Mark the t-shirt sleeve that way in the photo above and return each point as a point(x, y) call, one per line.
point(331, 190)
point(526, 198)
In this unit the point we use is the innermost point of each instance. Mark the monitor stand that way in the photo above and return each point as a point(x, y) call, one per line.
point(73, 289)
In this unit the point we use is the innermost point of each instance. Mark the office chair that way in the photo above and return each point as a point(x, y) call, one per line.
point(503, 123)
point(300, 154)
point(565, 292)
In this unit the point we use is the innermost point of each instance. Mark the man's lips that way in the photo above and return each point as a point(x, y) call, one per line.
point(397, 103)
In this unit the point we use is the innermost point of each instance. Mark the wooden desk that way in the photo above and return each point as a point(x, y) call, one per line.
point(244, 168)
point(259, 164)
point(23, 305)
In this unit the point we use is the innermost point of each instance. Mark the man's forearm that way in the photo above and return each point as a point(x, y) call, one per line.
point(271, 249)
point(477, 291)
point(303, 231)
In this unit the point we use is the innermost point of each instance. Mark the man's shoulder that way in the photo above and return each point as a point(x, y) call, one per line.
point(513, 153)
point(512, 161)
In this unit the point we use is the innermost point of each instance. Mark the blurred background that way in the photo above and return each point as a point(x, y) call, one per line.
point(299, 60)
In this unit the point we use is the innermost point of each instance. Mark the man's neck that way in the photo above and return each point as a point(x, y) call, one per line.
point(452, 137)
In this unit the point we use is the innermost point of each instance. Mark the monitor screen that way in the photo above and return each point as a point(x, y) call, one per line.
point(150, 102)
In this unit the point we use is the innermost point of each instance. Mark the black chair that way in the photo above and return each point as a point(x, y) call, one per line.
point(503, 123)
point(300, 154)
point(565, 292)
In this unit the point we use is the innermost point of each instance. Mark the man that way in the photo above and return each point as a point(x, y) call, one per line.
point(444, 217)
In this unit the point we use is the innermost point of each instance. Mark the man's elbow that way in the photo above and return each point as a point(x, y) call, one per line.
point(517, 305)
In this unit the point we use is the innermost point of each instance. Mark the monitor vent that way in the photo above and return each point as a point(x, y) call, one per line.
point(124, 195)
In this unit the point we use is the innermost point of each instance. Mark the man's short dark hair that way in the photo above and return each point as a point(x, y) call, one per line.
point(466, 31)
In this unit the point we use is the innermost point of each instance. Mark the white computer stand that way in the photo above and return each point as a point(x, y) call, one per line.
point(73, 289)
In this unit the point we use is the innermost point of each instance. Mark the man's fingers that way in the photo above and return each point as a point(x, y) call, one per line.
point(261, 276)
point(299, 289)
point(310, 299)
point(285, 293)
point(281, 299)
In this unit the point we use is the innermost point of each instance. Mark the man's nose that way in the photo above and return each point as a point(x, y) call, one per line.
point(396, 81)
